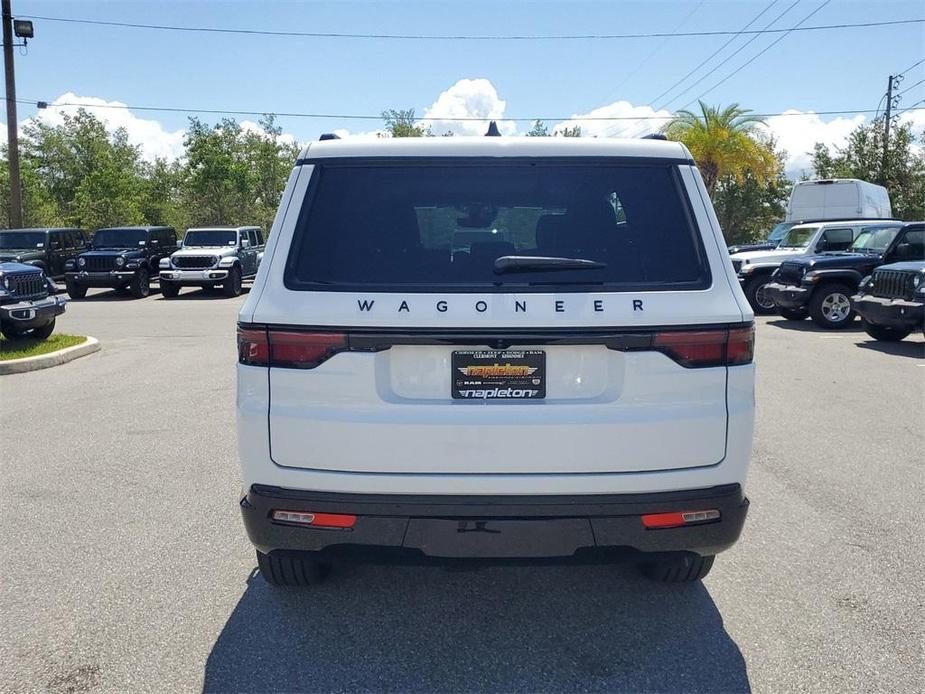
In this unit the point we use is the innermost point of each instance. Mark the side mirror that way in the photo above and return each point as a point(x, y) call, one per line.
point(154, 242)
point(179, 243)
point(903, 250)
point(823, 245)
point(245, 243)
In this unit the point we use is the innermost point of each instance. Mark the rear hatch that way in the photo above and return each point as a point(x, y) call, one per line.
point(415, 331)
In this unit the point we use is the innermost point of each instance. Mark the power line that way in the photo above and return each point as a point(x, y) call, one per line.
point(465, 37)
point(727, 58)
point(914, 65)
point(758, 54)
point(715, 53)
point(911, 87)
point(733, 55)
point(655, 50)
point(354, 116)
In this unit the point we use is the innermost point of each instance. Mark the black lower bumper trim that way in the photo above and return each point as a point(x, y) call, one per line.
point(494, 527)
point(894, 313)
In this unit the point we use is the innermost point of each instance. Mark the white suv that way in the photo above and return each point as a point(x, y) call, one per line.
point(494, 348)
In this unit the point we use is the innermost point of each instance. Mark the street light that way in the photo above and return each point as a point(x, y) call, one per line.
point(23, 29)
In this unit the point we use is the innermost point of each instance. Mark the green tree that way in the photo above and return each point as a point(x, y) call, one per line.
point(747, 208)
point(216, 177)
point(862, 157)
point(400, 123)
point(269, 160)
point(723, 142)
point(539, 129)
point(90, 176)
point(569, 132)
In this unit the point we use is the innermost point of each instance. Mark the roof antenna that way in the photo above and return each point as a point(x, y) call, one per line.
point(493, 130)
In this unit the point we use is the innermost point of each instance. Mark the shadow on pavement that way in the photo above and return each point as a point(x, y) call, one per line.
point(114, 295)
point(809, 327)
point(905, 348)
point(428, 629)
point(199, 294)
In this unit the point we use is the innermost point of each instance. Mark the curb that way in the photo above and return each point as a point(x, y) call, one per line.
point(44, 361)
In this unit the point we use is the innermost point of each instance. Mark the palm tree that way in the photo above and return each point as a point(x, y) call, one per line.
point(724, 142)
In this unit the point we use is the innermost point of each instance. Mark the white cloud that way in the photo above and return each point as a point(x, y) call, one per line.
point(252, 127)
point(475, 98)
point(154, 139)
point(798, 133)
point(634, 121)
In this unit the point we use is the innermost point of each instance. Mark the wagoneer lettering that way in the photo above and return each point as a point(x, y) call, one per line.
point(541, 337)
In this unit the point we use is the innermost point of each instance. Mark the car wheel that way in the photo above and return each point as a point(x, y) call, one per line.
point(141, 284)
point(682, 569)
point(11, 333)
point(758, 297)
point(286, 569)
point(74, 290)
point(830, 307)
point(169, 289)
point(793, 313)
point(45, 331)
point(232, 285)
point(885, 333)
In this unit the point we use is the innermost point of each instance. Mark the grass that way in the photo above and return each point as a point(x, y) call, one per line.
point(31, 347)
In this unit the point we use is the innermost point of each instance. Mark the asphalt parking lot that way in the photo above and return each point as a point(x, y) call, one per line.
point(126, 567)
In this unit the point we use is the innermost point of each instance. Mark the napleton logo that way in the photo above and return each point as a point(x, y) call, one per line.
point(497, 370)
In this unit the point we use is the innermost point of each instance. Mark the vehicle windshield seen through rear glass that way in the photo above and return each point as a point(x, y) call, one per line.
point(210, 237)
point(22, 239)
point(779, 231)
point(443, 226)
point(119, 238)
point(874, 239)
point(798, 237)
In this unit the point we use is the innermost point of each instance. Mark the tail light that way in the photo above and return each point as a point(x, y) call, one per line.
point(286, 349)
point(699, 348)
point(315, 520)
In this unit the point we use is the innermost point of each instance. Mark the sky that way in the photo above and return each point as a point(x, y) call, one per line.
point(559, 80)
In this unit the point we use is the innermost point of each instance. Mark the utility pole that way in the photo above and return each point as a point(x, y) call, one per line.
point(12, 124)
point(886, 130)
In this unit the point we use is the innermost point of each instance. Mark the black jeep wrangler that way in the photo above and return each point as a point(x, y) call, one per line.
point(821, 285)
point(120, 257)
point(48, 249)
point(28, 305)
point(891, 301)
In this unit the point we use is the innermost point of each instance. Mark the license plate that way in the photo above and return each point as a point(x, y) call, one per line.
point(499, 374)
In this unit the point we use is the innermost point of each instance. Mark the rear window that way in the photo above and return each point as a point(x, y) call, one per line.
point(442, 227)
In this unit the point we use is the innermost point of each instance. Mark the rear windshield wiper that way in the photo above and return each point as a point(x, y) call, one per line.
point(521, 263)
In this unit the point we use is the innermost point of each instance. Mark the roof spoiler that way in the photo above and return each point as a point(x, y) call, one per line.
point(329, 136)
point(493, 130)
point(655, 136)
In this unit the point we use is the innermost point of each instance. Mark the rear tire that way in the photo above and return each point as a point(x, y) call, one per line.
point(231, 287)
point(44, 332)
point(74, 290)
point(685, 568)
point(141, 284)
point(830, 307)
point(291, 569)
point(793, 313)
point(754, 291)
point(884, 333)
point(169, 289)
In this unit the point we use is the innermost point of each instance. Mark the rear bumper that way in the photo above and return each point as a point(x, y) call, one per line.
point(114, 278)
point(897, 313)
point(198, 278)
point(32, 314)
point(787, 295)
point(422, 527)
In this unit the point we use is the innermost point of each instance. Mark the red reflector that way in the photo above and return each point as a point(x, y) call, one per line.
point(304, 350)
point(316, 520)
point(676, 519)
point(253, 348)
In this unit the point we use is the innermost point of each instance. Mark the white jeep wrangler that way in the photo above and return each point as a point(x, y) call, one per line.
point(494, 348)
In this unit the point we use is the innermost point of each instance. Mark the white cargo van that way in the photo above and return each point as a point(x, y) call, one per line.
point(838, 198)
point(494, 348)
